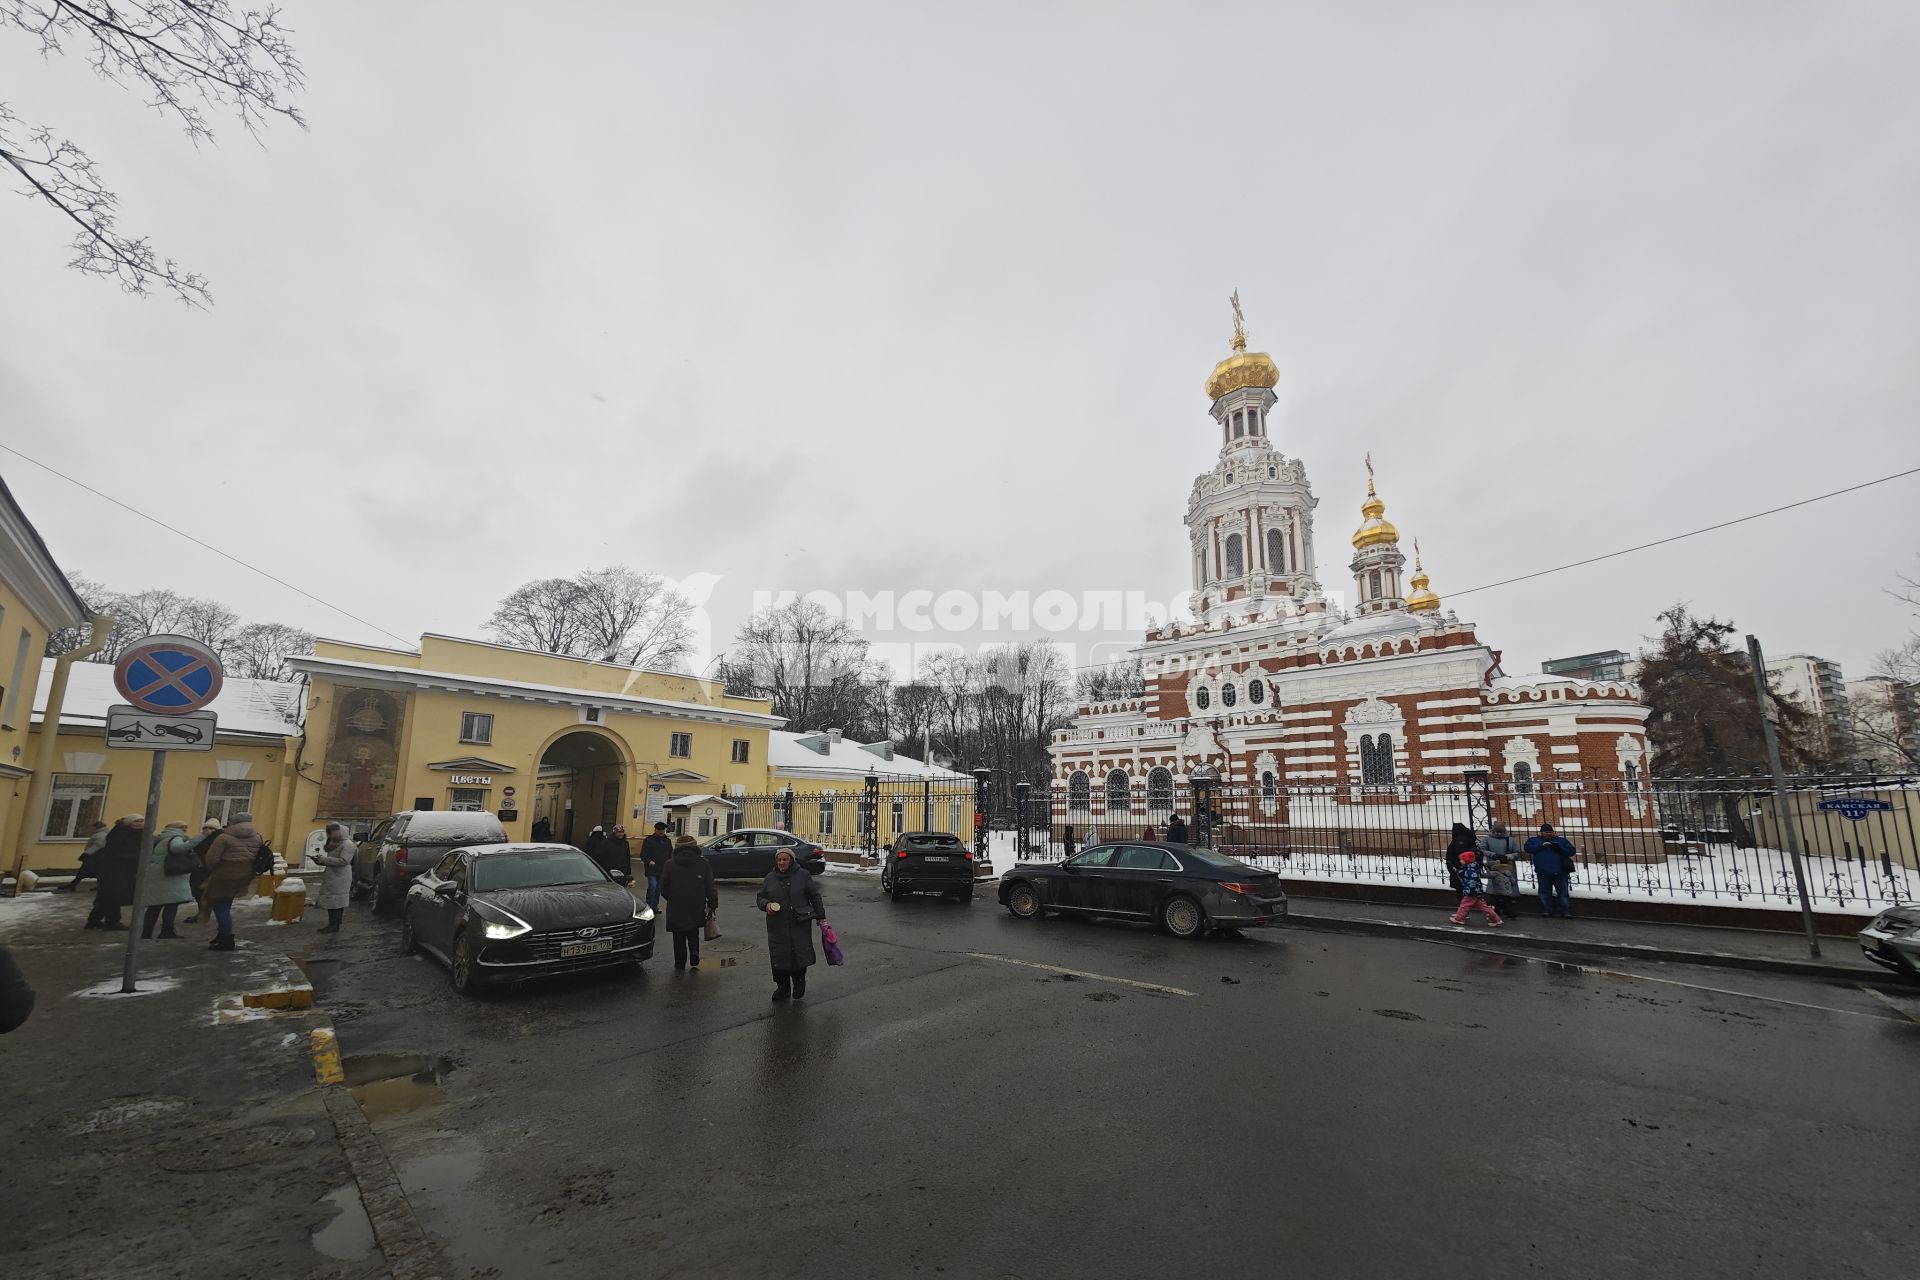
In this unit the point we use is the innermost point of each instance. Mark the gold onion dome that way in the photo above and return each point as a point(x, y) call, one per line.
point(1376, 529)
point(1422, 600)
point(1242, 368)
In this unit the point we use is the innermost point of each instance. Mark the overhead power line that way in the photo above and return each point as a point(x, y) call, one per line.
point(225, 555)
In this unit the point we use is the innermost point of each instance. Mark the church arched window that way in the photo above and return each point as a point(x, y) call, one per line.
point(1119, 792)
point(1269, 786)
point(1228, 695)
point(1373, 585)
point(1256, 691)
point(1079, 794)
point(1202, 699)
point(1276, 552)
point(1522, 779)
point(1159, 792)
point(1236, 556)
point(1376, 760)
point(1239, 425)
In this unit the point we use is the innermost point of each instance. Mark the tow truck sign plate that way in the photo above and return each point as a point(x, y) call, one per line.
point(131, 729)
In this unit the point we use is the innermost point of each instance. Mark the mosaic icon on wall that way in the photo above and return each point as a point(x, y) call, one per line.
point(363, 760)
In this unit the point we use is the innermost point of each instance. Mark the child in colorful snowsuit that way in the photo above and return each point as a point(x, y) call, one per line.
point(1473, 894)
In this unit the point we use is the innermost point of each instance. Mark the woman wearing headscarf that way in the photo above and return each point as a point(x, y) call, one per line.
point(791, 901)
point(591, 845)
point(1462, 842)
point(229, 872)
point(116, 866)
point(168, 889)
point(336, 882)
point(616, 854)
point(687, 882)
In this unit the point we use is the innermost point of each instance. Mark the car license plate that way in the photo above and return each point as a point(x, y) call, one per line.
point(570, 949)
point(937, 857)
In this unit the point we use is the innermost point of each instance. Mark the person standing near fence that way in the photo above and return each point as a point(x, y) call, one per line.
point(1176, 830)
point(1471, 897)
point(1461, 842)
point(1553, 863)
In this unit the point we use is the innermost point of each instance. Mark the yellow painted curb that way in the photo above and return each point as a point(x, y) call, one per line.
point(282, 998)
point(326, 1057)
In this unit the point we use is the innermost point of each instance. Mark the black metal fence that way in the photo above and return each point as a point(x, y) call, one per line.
point(1721, 840)
point(863, 819)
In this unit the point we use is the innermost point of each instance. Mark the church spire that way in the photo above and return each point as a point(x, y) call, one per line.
point(1376, 555)
point(1422, 600)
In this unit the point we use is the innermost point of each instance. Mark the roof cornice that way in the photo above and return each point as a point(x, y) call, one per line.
point(32, 572)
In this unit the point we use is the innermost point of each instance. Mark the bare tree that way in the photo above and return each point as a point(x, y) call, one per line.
point(184, 56)
point(1117, 679)
point(260, 650)
point(614, 614)
point(209, 622)
point(138, 614)
point(813, 665)
point(94, 596)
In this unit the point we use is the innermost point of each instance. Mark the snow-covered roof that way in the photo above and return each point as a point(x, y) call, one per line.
point(817, 754)
point(1386, 622)
point(244, 706)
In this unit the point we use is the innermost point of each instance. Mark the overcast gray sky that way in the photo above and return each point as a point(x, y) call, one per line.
point(900, 296)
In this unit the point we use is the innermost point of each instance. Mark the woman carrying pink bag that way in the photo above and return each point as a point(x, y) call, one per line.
point(830, 944)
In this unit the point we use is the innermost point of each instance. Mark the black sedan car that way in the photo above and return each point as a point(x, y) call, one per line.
point(508, 912)
point(749, 852)
point(1179, 888)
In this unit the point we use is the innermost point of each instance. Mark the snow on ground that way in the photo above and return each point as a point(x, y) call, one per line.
point(27, 907)
point(148, 984)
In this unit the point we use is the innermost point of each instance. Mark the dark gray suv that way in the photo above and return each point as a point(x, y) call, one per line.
point(401, 847)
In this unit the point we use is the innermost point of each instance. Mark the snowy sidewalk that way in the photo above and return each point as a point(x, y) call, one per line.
point(1755, 949)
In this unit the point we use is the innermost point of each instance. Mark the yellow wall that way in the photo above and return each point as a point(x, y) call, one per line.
point(16, 753)
point(848, 791)
point(523, 732)
point(183, 793)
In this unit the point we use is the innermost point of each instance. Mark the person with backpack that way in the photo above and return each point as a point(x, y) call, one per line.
point(1461, 841)
point(198, 880)
point(173, 850)
point(1553, 863)
point(233, 860)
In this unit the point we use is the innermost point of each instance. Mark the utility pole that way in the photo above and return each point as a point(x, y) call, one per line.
point(1780, 800)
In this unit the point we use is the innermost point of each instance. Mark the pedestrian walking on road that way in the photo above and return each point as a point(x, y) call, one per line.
point(691, 898)
point(116, 866)
point(654, 852)
point(1553, 863)
point(229, 871)
point(16, 997)
point(172, 880)
point(1471, 897)
point(1461, 842)
point(198, 880)
point(95, 842)
point(616, 854)
point(792, 903)
point(1176, 830)
point(336, 882)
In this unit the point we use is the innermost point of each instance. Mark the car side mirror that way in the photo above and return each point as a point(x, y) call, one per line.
point(447, 889)
point(621, 877)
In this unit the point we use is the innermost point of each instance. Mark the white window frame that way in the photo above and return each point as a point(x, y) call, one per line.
point(899, 817)
point(743, 751)
point(53, 796)
point(827, 807)
point(227, 801)
point(466, 799)
point(680, 744)
point(709, 827)
point(474, 718)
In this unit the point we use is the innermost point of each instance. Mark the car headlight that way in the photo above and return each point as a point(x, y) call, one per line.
point(641, 911)
point(498, 925)
point(502, 932)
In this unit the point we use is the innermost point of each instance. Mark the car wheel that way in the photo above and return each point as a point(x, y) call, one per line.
point(386, 896)
point(1182, 917)
point(461, 968)
point(1023, 900)
point(409, 945)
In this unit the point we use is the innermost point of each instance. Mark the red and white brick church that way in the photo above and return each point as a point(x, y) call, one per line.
point(1392, 703)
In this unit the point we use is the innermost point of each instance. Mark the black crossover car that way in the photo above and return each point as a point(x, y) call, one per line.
point(507, 912)
point(401, 847)
point(928, 862)
point(1179, 888)
point(749, 852)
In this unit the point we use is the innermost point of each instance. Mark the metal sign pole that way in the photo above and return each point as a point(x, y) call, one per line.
point(145, 874)
point(1780, 800)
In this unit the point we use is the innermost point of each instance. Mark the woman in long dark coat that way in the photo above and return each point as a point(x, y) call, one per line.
point(687, 882)
point(791, 901)
point(1462, 842)
point(117, 865)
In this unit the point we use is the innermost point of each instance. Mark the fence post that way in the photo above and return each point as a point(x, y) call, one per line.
point(1203, 780)
point(1020, 790)
point(870, 844)
point(1759, 664)
point(981, 782)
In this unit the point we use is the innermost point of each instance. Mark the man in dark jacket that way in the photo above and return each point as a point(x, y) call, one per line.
point(117, 866)
point(1176, 830)
point(687, 882)
point(1553, 863)
point(654, 852)
point(16, 997)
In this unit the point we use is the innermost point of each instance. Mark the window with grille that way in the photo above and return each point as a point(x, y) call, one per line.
point(681, 746)
point(1523, 779)
point(1376, 760)
point(1236, 556)
point(476, 727)
point(1228, 695)
point(75, 805)
point(1079, 793)
point(1276, 552)
point(1119, 793)
point(226, 797)
point(1202, 698)
point(1159, 791)
point(1269, 785)
point(1256, 691)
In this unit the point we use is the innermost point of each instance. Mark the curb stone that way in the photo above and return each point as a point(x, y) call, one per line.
point(1461, 935)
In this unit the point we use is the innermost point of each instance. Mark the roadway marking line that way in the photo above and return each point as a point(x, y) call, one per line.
point(1722, 991)
point(1078, 973)
point(326, 1057)
point(1891, 1003)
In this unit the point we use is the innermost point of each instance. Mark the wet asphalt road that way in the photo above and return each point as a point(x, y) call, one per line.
point(1345, 1106)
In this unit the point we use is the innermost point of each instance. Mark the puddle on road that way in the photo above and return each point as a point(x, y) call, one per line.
point(392, 1084)
point(320, 971)
point(348, 1235)
point(439, 1175)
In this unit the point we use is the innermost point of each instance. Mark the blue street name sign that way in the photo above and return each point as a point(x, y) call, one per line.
point(1854, 808)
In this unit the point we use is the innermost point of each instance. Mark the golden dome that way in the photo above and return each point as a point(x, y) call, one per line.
point(1422, 600)
point(1376, 529)
point(1241, 369)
